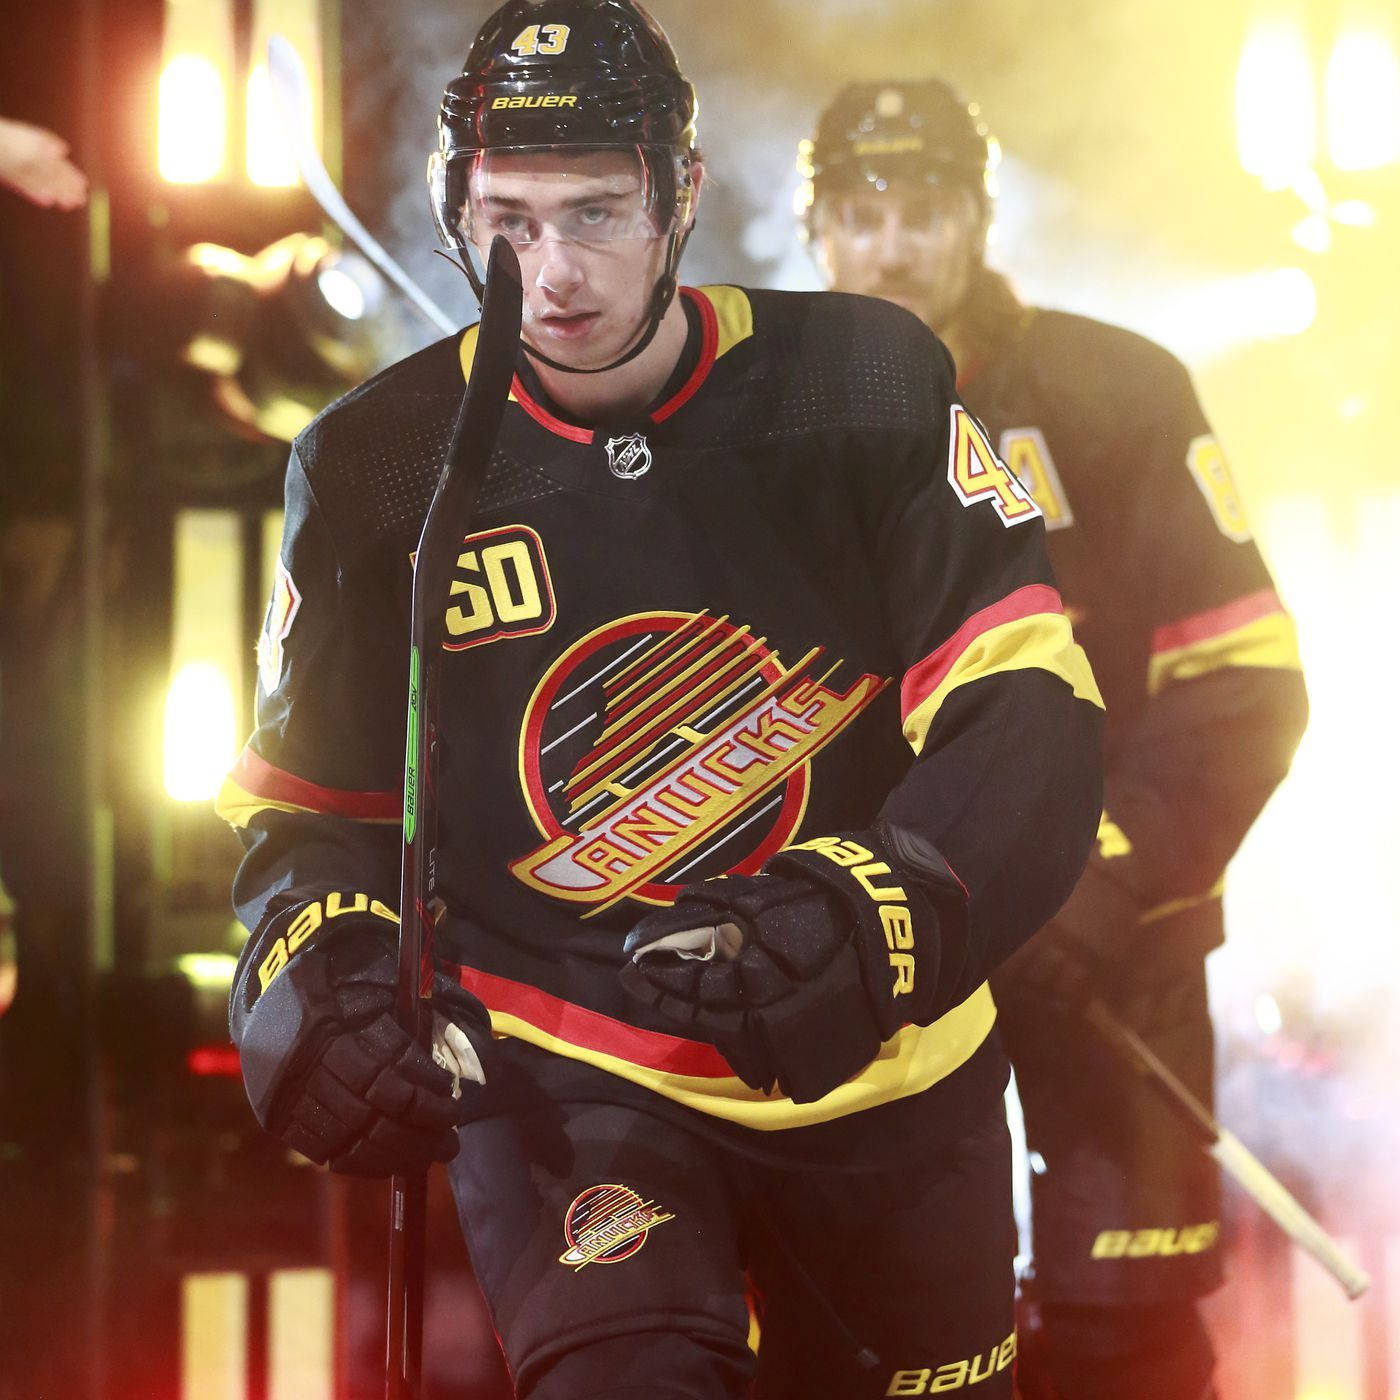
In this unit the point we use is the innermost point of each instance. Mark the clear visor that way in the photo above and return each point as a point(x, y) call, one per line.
point(577, 194)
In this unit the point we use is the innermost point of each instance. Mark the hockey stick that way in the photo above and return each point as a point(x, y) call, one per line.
point(290, 91)
point(1253, 1177)
point(448, 518)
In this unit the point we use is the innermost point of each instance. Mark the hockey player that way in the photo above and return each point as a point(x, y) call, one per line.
point(1205, 701)
point(764, 740)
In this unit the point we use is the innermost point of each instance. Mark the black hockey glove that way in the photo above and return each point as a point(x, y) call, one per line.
point(799, 974)
point(1081, 952)
point(328, 1069)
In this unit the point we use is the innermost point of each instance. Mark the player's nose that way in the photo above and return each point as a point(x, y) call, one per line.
point(560, 268)
point(892, 243)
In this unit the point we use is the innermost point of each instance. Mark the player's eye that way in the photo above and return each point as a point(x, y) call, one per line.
point(516, 227)
point(863, 220)
point(921, 215)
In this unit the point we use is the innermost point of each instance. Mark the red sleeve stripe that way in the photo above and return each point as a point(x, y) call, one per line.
point(257, 777)
point(592, 1031)
point(924, 677)
point(1202, 627)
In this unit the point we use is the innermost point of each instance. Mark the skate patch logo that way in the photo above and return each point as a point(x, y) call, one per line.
point(282, 609)
point(666, 748)
point(628, 457)
point(607, 1224)
point(956, 1375)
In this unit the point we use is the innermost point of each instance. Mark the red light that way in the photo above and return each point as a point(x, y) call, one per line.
point(214, 1060)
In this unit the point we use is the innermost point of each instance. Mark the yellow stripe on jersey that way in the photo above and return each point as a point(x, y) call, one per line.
point(1041, 641)
point(733, 316)
point(466, 352)
point(908, 1063)
point(1270, 641)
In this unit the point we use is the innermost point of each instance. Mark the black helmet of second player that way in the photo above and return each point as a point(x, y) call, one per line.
point(579, 74)
point(872, 133)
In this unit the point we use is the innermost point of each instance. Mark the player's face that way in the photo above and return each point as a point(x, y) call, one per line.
point(589, 250)
point(911, 243)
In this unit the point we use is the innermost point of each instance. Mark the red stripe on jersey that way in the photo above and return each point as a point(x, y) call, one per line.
point(256, 776)
point(924, 677)
point(546, 419)
point(591, 1030)
point(709, 344)
point(1202, 627)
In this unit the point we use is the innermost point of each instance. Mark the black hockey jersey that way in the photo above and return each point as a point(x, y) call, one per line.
point(1196, 656)
point(798, 594)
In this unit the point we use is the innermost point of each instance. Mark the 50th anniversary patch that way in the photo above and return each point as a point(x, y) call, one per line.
point(667, 747)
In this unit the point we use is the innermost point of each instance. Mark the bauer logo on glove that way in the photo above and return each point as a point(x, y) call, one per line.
point(328, 1069)
point(800, 973)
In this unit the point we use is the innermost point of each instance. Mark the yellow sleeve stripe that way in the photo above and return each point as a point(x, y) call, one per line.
point(1270, 641)
point(1042, 641)
point(910, 1062)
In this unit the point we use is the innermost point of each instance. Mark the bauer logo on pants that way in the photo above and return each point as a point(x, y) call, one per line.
point(607, 1224)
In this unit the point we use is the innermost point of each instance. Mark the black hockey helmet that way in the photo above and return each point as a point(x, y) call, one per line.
point(581, 75)
point(872, 133)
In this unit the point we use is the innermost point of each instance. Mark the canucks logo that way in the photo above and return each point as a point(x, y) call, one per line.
point(607, 1224)
point(665, 748)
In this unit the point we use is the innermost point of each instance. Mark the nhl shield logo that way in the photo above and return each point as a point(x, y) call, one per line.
point(628, 457)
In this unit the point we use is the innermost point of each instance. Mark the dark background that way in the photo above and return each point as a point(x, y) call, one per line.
point(1123, 197)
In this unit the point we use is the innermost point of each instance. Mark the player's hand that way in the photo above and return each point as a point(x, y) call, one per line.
point(331, 1073)
point(1049, 968)
point(34, 163)
point(799, 974)
point(1080, 953)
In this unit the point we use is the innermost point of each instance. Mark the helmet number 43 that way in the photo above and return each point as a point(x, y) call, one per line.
point(541, 38)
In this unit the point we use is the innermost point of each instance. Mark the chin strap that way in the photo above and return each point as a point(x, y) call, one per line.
point(661, 297)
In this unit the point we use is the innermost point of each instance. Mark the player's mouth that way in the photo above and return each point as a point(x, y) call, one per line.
point(907, 297)
point(568, 326)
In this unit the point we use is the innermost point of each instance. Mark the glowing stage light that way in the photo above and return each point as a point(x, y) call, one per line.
point(1283, 300)
point(1355, 213)
point(270, 162)
point(1363, 100)
point(342, 292)
point(1267, 1015)
point(192, 119)
point(212, 970)
point(1275, 107)
point(1313, 233)
point(201, 732)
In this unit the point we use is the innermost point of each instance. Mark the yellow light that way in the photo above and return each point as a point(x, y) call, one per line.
point(1363, 100)
point(1275, 106)
point(270, 160)
point(191, 130)
point(1313, 233)
point(1356, 213)
point(201, 732)
point(212, 970)
point(1280, 301)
